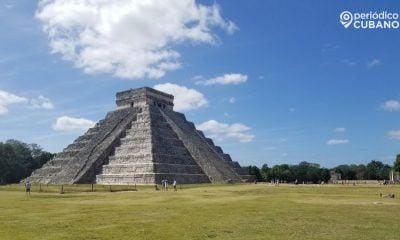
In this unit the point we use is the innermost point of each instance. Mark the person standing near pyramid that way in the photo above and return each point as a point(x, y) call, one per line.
point(28, 188)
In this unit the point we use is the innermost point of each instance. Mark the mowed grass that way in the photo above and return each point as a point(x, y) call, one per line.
point(253, 211)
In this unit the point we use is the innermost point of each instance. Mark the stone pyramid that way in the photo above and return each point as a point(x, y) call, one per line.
point(143, 141)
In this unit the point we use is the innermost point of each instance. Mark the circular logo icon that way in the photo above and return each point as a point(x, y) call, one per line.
point(346, 18)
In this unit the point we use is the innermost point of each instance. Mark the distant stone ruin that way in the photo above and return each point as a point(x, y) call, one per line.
point(143, 141)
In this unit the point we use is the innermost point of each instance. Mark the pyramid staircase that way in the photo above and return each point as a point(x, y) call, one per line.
point(142, 141)
point(151, 152)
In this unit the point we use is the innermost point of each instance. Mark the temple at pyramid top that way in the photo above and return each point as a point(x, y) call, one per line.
point(142, 141)
point(141, 96)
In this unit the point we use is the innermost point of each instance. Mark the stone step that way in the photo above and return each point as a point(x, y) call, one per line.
point(47, 171)
point(125, 150)
point(219, 149)
point(132, 158)
point(85, 137)
point(40, 179)
point(174, 159)
point(151, 178)
point(164, 141)
point(164, 132)
point(78, 144)
point(57, 162)
point(159, 158)
point(92, 131)
point(137, 132)
point(67, 154)
point(140, 125)
point(175, 150)
point(150, 167)
point(135, 140)
point(127, 168)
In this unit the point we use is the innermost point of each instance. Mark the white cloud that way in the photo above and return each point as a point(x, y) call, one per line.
point(185, 99)
point(232, 100)
point(42, 102)
point(391, 106)
point(229, 78)
point(66, 123)
point(337, 141)
point(285, 154)
point(340, 129)
point(128, 38)
point(394, 134)
point(7, 99)
point(375, 62)
point(221, 131)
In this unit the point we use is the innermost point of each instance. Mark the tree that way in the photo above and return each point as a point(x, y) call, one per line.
point(254, 170)
point(325, 174)
point(281, 172)
point(376, 170)
point(18, 160)
point(347, 172)
point(396, 164)
point(265, 173)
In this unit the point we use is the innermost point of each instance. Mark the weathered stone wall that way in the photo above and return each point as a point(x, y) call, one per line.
point(80, 161)
point(205, 155)
point(143, 141)
point(149, 153)
point(143, 97)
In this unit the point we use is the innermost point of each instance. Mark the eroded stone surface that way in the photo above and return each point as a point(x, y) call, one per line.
point(143, 141)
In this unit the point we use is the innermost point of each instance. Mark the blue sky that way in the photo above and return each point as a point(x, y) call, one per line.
point(271, 81)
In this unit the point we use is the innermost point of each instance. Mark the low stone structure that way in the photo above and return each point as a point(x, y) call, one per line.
point(394, 176)
point(143, 141)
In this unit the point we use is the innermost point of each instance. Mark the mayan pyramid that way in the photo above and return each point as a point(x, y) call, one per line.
point(142, 141)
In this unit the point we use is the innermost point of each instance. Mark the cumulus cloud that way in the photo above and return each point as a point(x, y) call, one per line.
point(42, 102)
point(7, 99)
point(391, 106)
point(229, 78)
point(340, 129)
point(373, 63)
point(66, 123)
point(185, 99)
point(232, 100)
point(394, 134)
point(221, 131)
point(337, 141)
point(128, 38)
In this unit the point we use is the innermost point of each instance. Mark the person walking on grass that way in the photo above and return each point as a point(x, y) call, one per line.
point(28, 188)
point(174, 183)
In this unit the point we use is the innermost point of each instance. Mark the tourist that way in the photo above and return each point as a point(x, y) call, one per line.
point(28, 188)
point(174, 183)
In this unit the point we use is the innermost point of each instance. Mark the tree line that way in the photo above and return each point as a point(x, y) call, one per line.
point(313, 173)
point(19, 159)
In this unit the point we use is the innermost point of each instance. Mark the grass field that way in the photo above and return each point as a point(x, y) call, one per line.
point(257, 211)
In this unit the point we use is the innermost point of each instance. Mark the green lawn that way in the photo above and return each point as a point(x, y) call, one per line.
point(258, 211)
